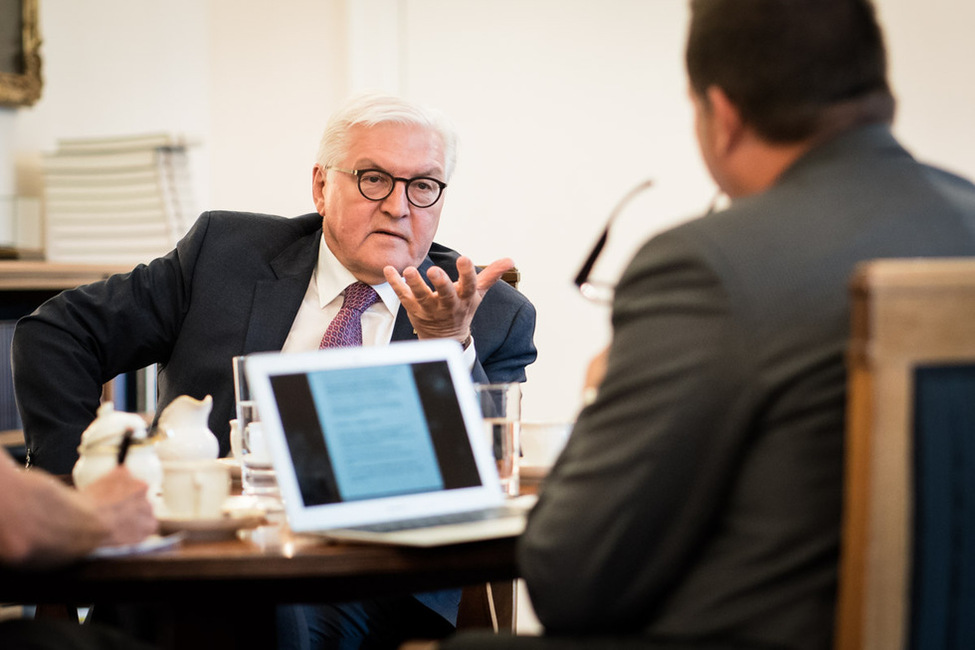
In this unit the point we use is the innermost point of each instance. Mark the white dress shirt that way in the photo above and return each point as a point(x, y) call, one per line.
point(322, 302)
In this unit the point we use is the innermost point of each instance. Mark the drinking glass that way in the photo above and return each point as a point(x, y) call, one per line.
point(501, 410)
point(257, 477)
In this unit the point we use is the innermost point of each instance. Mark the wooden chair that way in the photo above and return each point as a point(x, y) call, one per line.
point(907, 572)
point(512, 277)
point(489, 606)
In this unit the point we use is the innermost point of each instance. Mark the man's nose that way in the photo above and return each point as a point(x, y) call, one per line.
point(396, 204)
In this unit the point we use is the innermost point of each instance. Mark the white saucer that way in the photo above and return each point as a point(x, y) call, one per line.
point(210, 528)
point(242, 504)
point(148, 545)
point(232, 464)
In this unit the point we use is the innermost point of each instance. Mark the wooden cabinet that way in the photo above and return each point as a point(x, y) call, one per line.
point(26, 284)
point(16, 275)
point(23, 286)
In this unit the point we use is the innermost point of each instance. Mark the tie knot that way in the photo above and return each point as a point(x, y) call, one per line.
point(359, 296)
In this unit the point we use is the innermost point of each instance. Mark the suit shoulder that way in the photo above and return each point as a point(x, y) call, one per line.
point(254, 220)
point(220, 238)
point(241, 228)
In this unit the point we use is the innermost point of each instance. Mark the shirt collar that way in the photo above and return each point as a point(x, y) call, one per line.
point(332, 278)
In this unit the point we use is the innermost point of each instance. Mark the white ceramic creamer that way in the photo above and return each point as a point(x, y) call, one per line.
point(184, 430)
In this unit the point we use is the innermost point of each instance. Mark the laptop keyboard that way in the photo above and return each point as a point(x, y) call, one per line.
point(442, 520)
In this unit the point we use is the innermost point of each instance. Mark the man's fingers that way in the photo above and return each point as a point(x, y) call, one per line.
point(467, 278)
point(442, 283)
point(397, 282)
point(492, 273)
point(410, 286)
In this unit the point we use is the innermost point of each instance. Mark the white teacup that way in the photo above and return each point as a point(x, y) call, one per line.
point(542, 442)
point(195, 489)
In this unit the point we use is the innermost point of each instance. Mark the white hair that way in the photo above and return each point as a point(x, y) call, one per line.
point(371, 109)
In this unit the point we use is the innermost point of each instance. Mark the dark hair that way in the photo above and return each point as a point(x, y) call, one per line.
point(793, 68)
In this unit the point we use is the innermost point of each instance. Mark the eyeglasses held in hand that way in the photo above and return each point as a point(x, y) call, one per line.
point(603, 291)
point(376, 185)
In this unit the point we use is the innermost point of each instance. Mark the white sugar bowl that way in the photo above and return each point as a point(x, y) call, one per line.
point(100, 443)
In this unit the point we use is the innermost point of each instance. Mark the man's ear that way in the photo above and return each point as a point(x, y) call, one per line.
point(318, 188)
point(727, 122)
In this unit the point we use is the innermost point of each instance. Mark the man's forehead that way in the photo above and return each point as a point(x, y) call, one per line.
point(390, 146)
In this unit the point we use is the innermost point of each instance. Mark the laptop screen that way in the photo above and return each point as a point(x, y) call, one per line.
point(374, 431)
point(372, 434)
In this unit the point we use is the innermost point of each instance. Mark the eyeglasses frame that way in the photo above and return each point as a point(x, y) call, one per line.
point(589, 289)
point(406, 182)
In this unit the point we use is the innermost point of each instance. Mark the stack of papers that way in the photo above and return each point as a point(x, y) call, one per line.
point(148, 545)
point(117, 200)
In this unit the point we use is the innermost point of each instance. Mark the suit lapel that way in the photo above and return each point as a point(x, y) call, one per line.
point(403, 328)
point(276, 301)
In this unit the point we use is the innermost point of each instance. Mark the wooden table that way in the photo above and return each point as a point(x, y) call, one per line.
point(221, 594)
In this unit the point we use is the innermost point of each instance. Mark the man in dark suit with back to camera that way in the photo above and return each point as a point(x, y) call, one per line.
point(240, 283)
point(697, 503)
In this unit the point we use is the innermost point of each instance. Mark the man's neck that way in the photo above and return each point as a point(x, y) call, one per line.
point(758, 164)
point(763, 162)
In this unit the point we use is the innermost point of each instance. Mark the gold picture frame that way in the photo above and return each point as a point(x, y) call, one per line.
point(20, 69)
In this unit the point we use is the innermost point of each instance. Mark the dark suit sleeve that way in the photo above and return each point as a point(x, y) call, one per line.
point(644, 473)
point(78, 340)
point(503, 330)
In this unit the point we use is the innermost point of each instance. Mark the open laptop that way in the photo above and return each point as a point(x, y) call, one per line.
point(382, 444)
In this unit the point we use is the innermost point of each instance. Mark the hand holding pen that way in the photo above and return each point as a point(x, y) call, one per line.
point(123, 449)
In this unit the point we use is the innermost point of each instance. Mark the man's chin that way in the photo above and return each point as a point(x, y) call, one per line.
point(374, 266)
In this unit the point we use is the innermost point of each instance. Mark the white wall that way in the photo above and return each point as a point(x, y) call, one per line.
point(111, 67)
point(277, 71)
point(560, 116)
point(931, 50)
point(562, 105)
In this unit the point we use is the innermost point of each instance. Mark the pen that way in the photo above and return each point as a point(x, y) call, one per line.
point(123, 449)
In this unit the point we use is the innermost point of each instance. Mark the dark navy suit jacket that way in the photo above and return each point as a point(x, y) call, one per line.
point(231, 286)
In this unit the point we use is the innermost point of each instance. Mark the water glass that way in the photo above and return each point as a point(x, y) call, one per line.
point(257, 477)
point(501, 409)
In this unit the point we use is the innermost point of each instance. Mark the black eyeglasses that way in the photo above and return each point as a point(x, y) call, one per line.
point(376, 185)
point(603, 291)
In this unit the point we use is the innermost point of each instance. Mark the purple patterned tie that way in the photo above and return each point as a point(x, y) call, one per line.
point(345, 330)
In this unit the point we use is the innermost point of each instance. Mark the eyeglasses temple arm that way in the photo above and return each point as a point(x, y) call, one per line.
point(583, 275)
point(586, 269)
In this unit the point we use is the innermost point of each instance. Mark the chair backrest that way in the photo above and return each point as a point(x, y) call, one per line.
point(907, 571)
point(512, 277)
